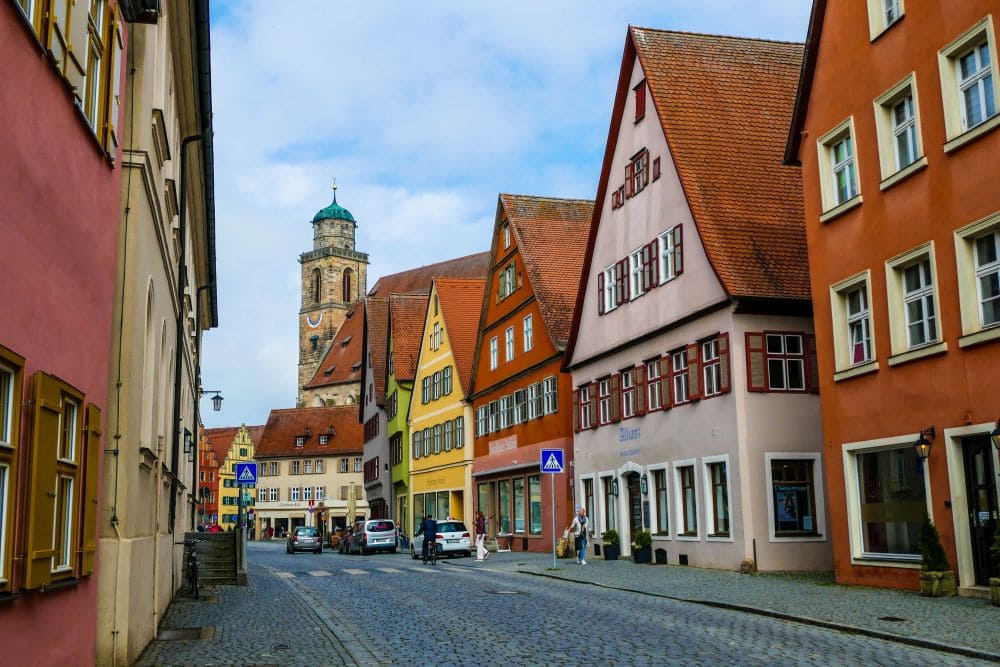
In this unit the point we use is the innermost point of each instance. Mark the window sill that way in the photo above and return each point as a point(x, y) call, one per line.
point(663, 537)
point(979, 337)
point(719, 538)
point(886, 29)
point(854, 371)
point(918, 353)
point(688, 538)
point(841, 209)
point(886, 562)
point(903, 173)
point(971, 135)
point(813, 537)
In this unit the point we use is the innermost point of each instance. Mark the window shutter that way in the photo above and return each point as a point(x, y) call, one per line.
point(621, 278)
point(616, 398)
point(58, 24)
point(724, 381)
point(90, 481)
point(654, 263)
point(656, 168)
point(812, 365)
point(600, 293)
point(42, 481)
point(576, 411)
point(594, 415)
point(666, 383)
point(694, 371)
point(640, 100)
point(645, 169)
point(644, 269)
point(756, 362)
point(77, 48)
point(678, 251)
point(111, 137)
point(629, 180)
point(640, 389)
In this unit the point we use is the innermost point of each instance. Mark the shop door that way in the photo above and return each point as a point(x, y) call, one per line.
point(634, 505)
point(981, 489)
point(487, 492)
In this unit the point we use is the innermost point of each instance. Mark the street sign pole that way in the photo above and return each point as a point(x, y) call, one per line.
point(552, 485)
point(552, 463)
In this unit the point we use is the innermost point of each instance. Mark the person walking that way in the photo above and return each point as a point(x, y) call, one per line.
point(579, 528)
point(481, 552)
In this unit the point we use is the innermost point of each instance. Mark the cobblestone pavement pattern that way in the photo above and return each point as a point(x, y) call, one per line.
point(392, 610)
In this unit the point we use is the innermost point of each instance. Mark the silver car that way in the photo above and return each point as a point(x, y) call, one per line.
point(304, 538)
point(452, 538)
point(373, 535)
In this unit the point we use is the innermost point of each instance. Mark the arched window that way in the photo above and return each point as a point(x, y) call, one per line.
point(317, 285)
point(347, 285)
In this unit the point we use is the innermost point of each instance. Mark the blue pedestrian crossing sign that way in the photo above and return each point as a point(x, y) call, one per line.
point(246, 473)
point(552, 461)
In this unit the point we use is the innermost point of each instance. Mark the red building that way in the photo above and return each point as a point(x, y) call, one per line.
point(896, 130)
point(521, 398)
point(209, 463)
point(61, 186)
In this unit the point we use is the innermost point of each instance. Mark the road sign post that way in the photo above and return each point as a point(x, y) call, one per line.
point(553, 463)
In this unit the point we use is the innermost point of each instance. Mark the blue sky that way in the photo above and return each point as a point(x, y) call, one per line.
point(424, 112)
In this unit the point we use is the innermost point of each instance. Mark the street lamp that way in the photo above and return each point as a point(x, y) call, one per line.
point(923, 443)
point(216, 398)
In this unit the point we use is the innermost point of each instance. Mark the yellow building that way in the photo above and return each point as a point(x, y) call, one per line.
point(241, 450)
point(440, 416)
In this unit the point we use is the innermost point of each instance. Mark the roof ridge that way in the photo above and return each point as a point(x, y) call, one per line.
point(446, 279)
point(542, 197)
point(426, 266)
point(688, 33)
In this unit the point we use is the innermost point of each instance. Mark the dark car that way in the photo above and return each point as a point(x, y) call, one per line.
point(304, 538)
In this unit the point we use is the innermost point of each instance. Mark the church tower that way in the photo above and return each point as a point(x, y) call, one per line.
point(334, 277)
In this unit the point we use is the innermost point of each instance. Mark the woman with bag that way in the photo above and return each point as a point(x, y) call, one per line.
point(481, 552)
point(579, 529)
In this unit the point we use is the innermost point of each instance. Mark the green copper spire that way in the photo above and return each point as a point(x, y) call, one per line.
point(334, 211)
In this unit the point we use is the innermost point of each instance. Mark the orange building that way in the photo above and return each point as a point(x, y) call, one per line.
point(895, 129)
point(522, 401)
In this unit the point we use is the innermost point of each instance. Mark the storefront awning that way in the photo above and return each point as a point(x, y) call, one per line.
point(519, 458)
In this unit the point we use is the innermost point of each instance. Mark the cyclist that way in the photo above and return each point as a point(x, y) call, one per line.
point(430, 529)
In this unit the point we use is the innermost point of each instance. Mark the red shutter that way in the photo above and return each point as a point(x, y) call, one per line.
point(724, 381)
point(629, 180)
point(666, 384)
point(616, 398)
point(756, 362)
point(620, 282)
point(654, 263)
point(656, 168)
point(600, 293)
point(678, 251)
point(576, 411)
point(640, 389)
point(594, 414)
point(645, 170)
point(812, 365)
point(644, 268)
point(693, 352)
point(640, 100)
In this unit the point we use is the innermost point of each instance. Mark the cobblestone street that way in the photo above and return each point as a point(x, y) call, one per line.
point(368, 610)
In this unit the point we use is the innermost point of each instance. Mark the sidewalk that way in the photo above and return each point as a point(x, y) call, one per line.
point(966, 626)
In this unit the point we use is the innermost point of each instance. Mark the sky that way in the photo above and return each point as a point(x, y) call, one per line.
point(424, 112)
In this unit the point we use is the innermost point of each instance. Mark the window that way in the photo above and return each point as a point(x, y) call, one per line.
point(505, 411)
point(859, 325)
point(610, 503)
point(854, 344)
point(586, 418)
point(776, 361)
point(838, 169)
point(507, 284)
point(635, 269)
point(604, 400)
point(551, 389)
point(300, 441)
point(274, 495)
point(719, 500)
point(509, 344)
point(433, 341)
point(446, 380)
point(494, 416)
point(343, 466)
point(654, 396)
point(293, 493)
point(588, 497)
point(520, 406)
point(448, 436)
point(324, 439)
point(679, 373)
point(482, 423)
point(671, 255)
point(357, 464)
point(608, 292)
point(535, 504)
point(296, 468)
point(912, 299)
point(988, 277)
point(317, 286)
point(436, 385)
point(640, 104)
point(637, 174)
point(428, 438)
point(662, 509)
point(505, 230)
point(319, 493)
point(969, 89)
point(417, 442)
point(715, 366)
point(887, 501)
point(528, 332)
point(459, 432)
point(977, 251)
point(534, 401)
point(689, 500)
point(518, 497)
point(307, 467)
point(493, 353)
point(898, 128)
point(628, 392)
point(318, 466)
point(793, 497)
point(918, 300)
point(882, 14)
point(306, 493)
point(425, 390)
point(274, 468)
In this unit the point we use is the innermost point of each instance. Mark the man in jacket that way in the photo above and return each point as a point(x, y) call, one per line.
point(430, 529)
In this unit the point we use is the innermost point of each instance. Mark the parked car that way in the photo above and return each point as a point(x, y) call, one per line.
point(304, 538)
point(452, 538)
point(372, 535)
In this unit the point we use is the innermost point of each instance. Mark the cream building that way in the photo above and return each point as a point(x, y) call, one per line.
point(165, 299)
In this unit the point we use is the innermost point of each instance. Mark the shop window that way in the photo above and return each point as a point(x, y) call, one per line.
point(662, 506)
point(519, 505)
point(793, 494)
point(717, 483)
point(688, 501)
point(535, 504)
point(610, 503)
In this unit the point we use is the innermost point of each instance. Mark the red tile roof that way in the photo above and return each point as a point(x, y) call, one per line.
point(725, 104)
point(406, 324)
point(460, 301)
point(551, 236)
point(377, 335)
point(283, 426)
point(338, 365)
point(221, 439)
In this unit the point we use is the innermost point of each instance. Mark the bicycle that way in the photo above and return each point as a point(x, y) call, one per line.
point(432, 553)
point(191, 564)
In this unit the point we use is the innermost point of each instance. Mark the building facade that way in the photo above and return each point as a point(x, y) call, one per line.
point(334, 277)
point(238, 445)
point(440, 419)
point(899, 173)
point(208, 481)
point(696, 413)
point(309, 470)
point(374, 417)
point(520, 394)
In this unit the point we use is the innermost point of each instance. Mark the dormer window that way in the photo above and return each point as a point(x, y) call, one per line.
point(323, 439)
point(300, 441)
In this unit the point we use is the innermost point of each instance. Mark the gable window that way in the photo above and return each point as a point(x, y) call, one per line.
point(446, 380)
point(608, 289)
point(417, 442)
point(507, 284)
point(528, 332)
point(969, 88)
point(436, 385)
point(844, 175)
point(654, 395)
point(679, 373)
point(852, 322)
point(640, 100)
point(425, 389)
point(628, 392)
point(671, 256)
point(838, 169)
point(897, 124)
point(637, 173)
point(509, 344)
point(494, 353)
point(506, 236)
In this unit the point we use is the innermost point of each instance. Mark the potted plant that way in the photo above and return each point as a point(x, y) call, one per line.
point(642, 547)
point(995, 560)
point(612, 544)
point(936, 577)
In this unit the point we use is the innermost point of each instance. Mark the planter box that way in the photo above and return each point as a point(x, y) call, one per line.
point(995, 591)
point(643, 556)
point(611, 553)
point(938, 584)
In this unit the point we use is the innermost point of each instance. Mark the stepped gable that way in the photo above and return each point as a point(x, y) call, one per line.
point(406, 318)
point(338, 422)
point(460, 301)
point(377, 334)
point(551, 237)
point(220, 440)
point(725, 104)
